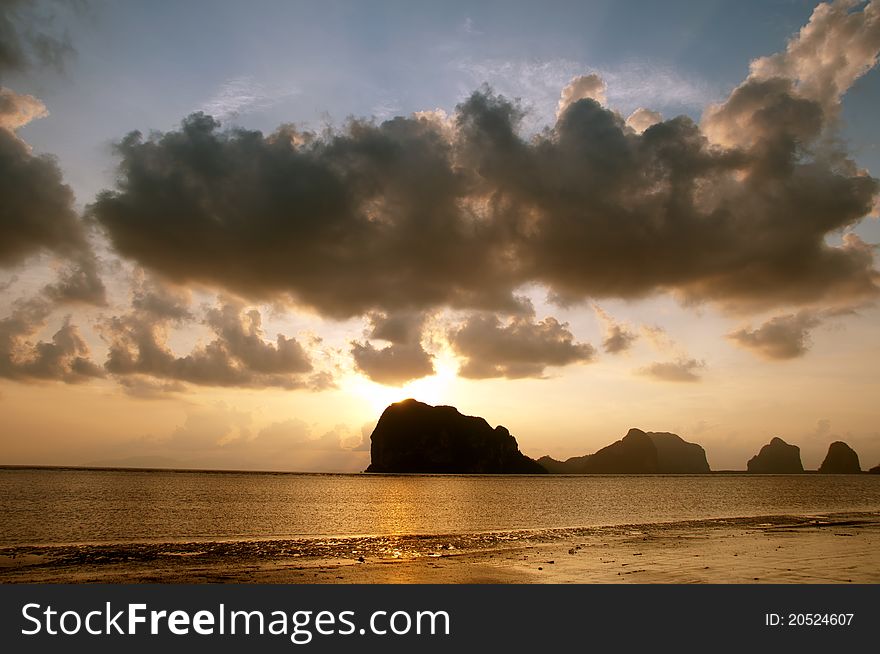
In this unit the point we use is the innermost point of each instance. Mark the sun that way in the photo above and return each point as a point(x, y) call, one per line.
point(431, 390)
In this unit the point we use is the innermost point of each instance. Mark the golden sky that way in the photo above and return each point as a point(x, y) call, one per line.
point(227, 290)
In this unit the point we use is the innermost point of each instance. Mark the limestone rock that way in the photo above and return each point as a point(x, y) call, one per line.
point(638, 452)
point(777, 457)
point(841, 459)
point(419, 438)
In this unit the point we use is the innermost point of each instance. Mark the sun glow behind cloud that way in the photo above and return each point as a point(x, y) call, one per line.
point(434, 389)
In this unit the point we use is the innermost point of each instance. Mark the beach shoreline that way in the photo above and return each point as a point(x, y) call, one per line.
point(829, 548)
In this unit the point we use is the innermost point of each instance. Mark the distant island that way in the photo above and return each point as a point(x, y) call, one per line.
point(777, 457)
point(841, 460)
point(638, 452)
point(414, 437)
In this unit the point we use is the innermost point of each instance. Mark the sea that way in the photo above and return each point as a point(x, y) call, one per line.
point(65, 506)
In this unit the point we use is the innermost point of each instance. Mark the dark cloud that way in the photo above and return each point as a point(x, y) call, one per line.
point(160, 301)
point(28, 37)
point(36, 209)
point(401, 361)
point(36, 206)
point(237, 356)
point(371, 217)
point(781, 337)
point(65, 358)
point(602, 212)
point(680, 370)
point(78, 282)
point(394, 364)
point(521, 348)
point(618, 338)
point(402, 328)
point(418, 213)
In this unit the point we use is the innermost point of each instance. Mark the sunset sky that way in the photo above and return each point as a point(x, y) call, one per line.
point(231, 233)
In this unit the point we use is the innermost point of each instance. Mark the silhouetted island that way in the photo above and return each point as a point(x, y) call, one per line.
point(638, 452)
point(875, 470)
point(777, 457)
point(415, 437)
point(841, 460)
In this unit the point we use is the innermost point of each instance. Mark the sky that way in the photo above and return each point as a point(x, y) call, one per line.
point(232, 233)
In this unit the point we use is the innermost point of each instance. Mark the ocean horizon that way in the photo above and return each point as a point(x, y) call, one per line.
point(68, 506)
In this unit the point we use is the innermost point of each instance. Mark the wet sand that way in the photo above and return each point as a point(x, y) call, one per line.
point(838, 548)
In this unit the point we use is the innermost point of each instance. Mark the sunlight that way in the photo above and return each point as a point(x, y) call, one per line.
point(431, 390)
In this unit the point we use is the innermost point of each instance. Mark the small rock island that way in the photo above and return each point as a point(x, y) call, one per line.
point(414, 437)
point(638, 452)
point(777, 457)
point(840, 460)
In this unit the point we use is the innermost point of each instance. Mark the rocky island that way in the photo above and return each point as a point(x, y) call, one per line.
point(638, 452)
point(413, 437)
point(777, 457)
point(841, 460)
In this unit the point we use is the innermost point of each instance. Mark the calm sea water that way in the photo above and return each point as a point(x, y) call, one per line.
point(62, 506)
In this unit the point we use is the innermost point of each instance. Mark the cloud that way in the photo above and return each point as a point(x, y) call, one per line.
point(607, 214)
point(468, 28)
point(836, 47)
point(792, 94)
point(822, 430)
point(224, 437)
point(521, 348)
point(154, 299)
point(38, 212)
point(641, 119)
point(18, 110)
point(393, 365)
point(65, 357)
point(146, 388)
point(37, 209)
point(367, 219)
point(416, 214)
point(658, 338)
point(627, 86)
point(781, 337)
point(654, 84)
point(680, 370)
point(79, 281)
point(618, 338)
point(403, 360)
point(238, 355)
point(580, 88)
point(27, 37)
point(293, 445)
point(242, 95)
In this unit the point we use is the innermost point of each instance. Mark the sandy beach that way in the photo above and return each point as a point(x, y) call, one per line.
point(837, 548)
